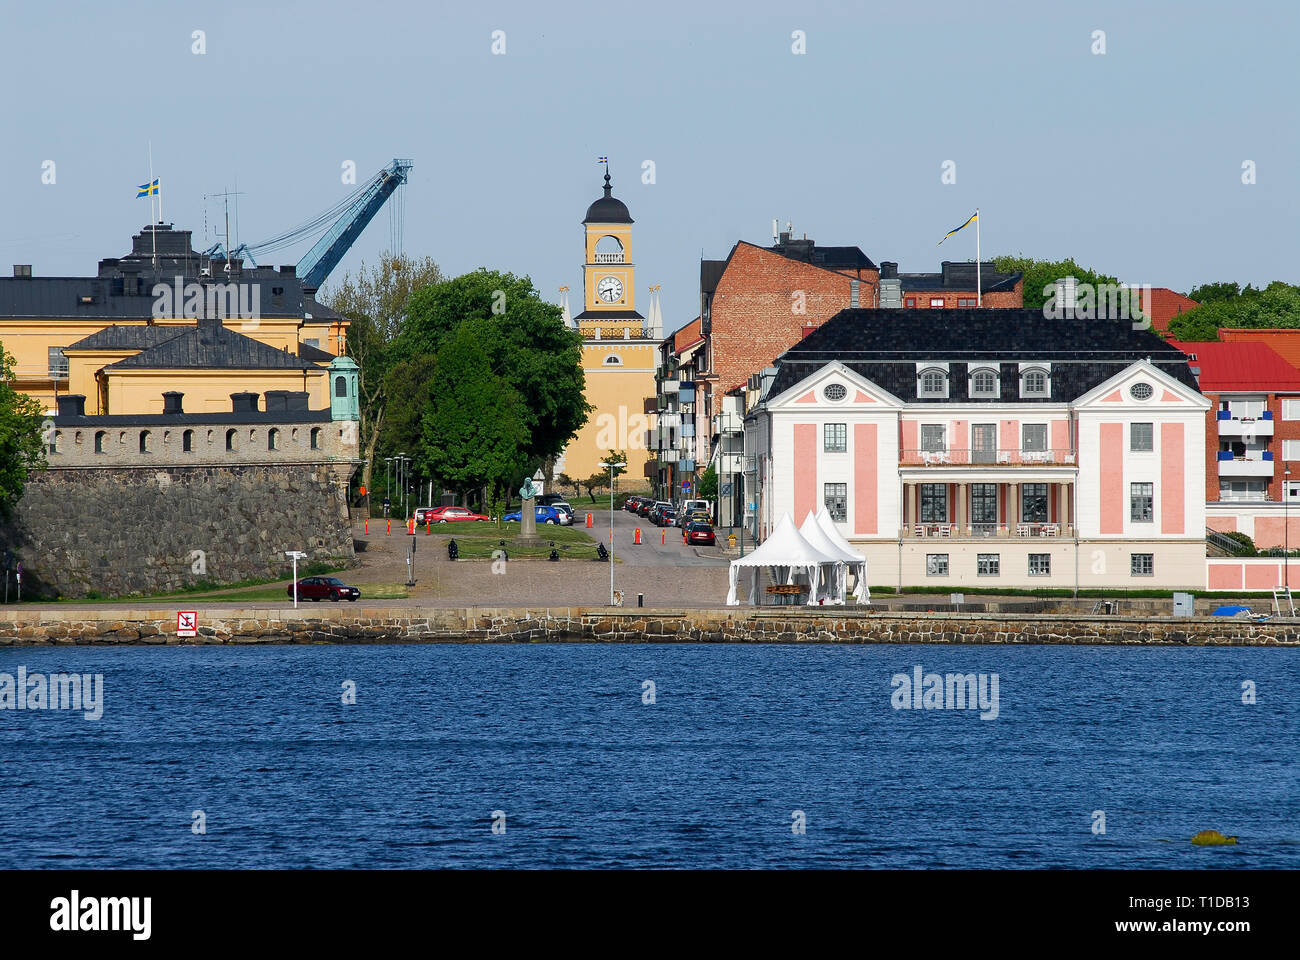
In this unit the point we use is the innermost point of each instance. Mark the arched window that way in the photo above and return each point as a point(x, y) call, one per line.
point(231, 439)
point(273, 439)
point(983, 383)
point(613, 360)
point(187, 441)
point(340, 386)
point(56, 440)
point(934, 383)
point(144, 441)
point(609, 250)
point(315, 438)
point(99, 440)
point(1034, 383)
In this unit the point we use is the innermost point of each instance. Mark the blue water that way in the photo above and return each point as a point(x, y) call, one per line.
point(558, 739)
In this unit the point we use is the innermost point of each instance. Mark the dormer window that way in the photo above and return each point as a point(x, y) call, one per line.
point(1034, 382)
point(984, 383)
point(933, 383)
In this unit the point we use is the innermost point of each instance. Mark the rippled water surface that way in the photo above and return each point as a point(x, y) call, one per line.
point(558, 739)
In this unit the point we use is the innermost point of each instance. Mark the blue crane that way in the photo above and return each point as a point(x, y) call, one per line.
point(350, 217)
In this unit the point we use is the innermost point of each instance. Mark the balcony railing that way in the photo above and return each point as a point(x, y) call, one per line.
point(608, 258)
point(987, 457)
point(954, 531)
point(1251, 466)
point(1230, 426)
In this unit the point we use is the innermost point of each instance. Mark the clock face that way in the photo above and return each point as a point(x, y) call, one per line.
point(609, 289)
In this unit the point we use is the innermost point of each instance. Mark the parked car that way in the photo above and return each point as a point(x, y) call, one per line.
point(690, 506)
point(632, 503)
point(666, 516)
point(699, 532)
point(565, 511)
point(549, 499)
point(544, 514)
point(653, 513)
point(686, 516)
point(644, 507)
point(447, 515)
point(324, 588)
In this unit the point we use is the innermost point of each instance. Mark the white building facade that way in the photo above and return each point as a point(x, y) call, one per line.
point(994, 471)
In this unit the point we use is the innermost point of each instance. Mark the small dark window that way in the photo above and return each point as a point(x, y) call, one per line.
point(340, 386)
point(144, 441)
point(230, 440)
point(315, 438)
point(187, 441)
point(273, 439)
point(99, 441)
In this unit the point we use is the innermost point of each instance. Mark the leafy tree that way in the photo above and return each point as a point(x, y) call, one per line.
point(1043, 274)
point(529, 346)
point(1208, 292)
point(1277, 305)
point(408, 383)
point(474, 424)
point(619, 459)
point(377, 301)
point(595, 483)
point(21, 446)
point(708, 484)
point(567, 482)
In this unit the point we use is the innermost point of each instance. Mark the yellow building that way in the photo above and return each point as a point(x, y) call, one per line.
point(106, 337)
point(620, 348)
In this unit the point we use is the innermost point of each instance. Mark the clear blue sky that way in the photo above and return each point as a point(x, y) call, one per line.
point(1130, 162)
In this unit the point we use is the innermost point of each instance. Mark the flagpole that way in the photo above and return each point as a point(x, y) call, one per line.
point(153, 226)
point(979, 288)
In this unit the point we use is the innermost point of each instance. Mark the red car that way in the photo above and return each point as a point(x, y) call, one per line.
point(699, 533)
point(324, 588)
point(447, 515)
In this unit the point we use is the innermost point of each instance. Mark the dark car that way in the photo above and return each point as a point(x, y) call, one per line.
point(324, 588)
point(690, 516)
point(666, 516)
point(632, 503)
point(643, 507)
point(700, 532)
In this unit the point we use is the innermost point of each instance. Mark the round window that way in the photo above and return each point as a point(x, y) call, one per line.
point(1141, 391)
point(835, 391)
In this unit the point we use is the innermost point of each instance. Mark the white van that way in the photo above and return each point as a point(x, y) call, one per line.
point(689, 505)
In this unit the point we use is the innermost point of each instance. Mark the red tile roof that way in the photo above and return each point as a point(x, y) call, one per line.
point(1228, 367)
point(1285, 342)
point(1165, 305)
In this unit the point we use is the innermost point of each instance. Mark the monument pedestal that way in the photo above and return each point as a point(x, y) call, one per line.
point(528, 524)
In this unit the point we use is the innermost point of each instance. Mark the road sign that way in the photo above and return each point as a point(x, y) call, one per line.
point(187, 623)
point(726, 489)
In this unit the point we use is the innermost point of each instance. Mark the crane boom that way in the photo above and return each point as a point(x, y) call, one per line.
point(329, 249)
point(351, 216)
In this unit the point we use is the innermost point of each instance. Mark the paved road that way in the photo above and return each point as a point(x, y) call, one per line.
point(659, 547)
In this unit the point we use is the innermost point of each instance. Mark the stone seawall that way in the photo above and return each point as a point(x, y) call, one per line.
point(142, 530)
point(46, 626)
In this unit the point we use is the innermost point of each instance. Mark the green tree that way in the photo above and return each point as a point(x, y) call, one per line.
point(1208, 292)
point(595, 483)
point(708, 485)
point(1041, 275)
point(408, 383)
point(376, 302)
point(1277, 305)
point(474, 424)
point(564, 481)
point(529, 346)
point(21, 446)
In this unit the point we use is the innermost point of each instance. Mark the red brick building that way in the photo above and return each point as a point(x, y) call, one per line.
point(1252, 439)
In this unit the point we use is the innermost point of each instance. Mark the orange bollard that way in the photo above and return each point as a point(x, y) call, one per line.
point(410, 526)
point(427, 521)
point(636, 535)
point(663, 537)
point(588, 521)
point(367, 525)
point(390, 527)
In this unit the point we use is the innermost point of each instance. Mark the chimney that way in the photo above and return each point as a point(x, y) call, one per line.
point(855, 287)
point(172, 402)
point(72, 405)
point(277, 401)
point(807, 328)
point(23, 270)
point(888, 270)
point(1067, 289)
point(243, 402)
point(295, 400)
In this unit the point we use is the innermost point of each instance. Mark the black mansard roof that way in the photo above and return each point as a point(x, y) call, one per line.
point(211, 346)
point(885, 345)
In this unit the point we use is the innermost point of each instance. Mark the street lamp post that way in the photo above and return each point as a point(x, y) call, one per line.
point(1286, 530)
point(295, 556)
point(611, 530)
point(388, 480)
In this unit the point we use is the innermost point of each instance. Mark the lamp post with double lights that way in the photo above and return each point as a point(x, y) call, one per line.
point(295, 556)
point(611, 530)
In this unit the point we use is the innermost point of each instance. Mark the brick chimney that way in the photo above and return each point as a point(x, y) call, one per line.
point(172, 402)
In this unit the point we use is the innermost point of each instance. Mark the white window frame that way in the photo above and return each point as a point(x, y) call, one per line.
point(1132, 442)
point(932, 562)
point(1291, 408)
point(991, 371)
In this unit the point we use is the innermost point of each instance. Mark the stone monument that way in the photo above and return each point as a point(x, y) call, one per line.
point(528, 515)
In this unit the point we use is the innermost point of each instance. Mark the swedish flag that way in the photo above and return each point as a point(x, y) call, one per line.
point(146, 189)
point(602, 159)
point(973, 217)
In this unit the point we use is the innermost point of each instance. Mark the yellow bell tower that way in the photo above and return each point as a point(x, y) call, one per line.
point(608, 274)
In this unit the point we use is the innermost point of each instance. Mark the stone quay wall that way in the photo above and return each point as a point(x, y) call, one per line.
point(118, 531)
point(50, 626)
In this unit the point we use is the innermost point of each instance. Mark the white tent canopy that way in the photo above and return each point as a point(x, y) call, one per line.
point(834, 585)
point(857, 561)
point(789, 559)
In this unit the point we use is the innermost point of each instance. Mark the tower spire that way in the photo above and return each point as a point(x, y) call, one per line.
point(607, 186)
